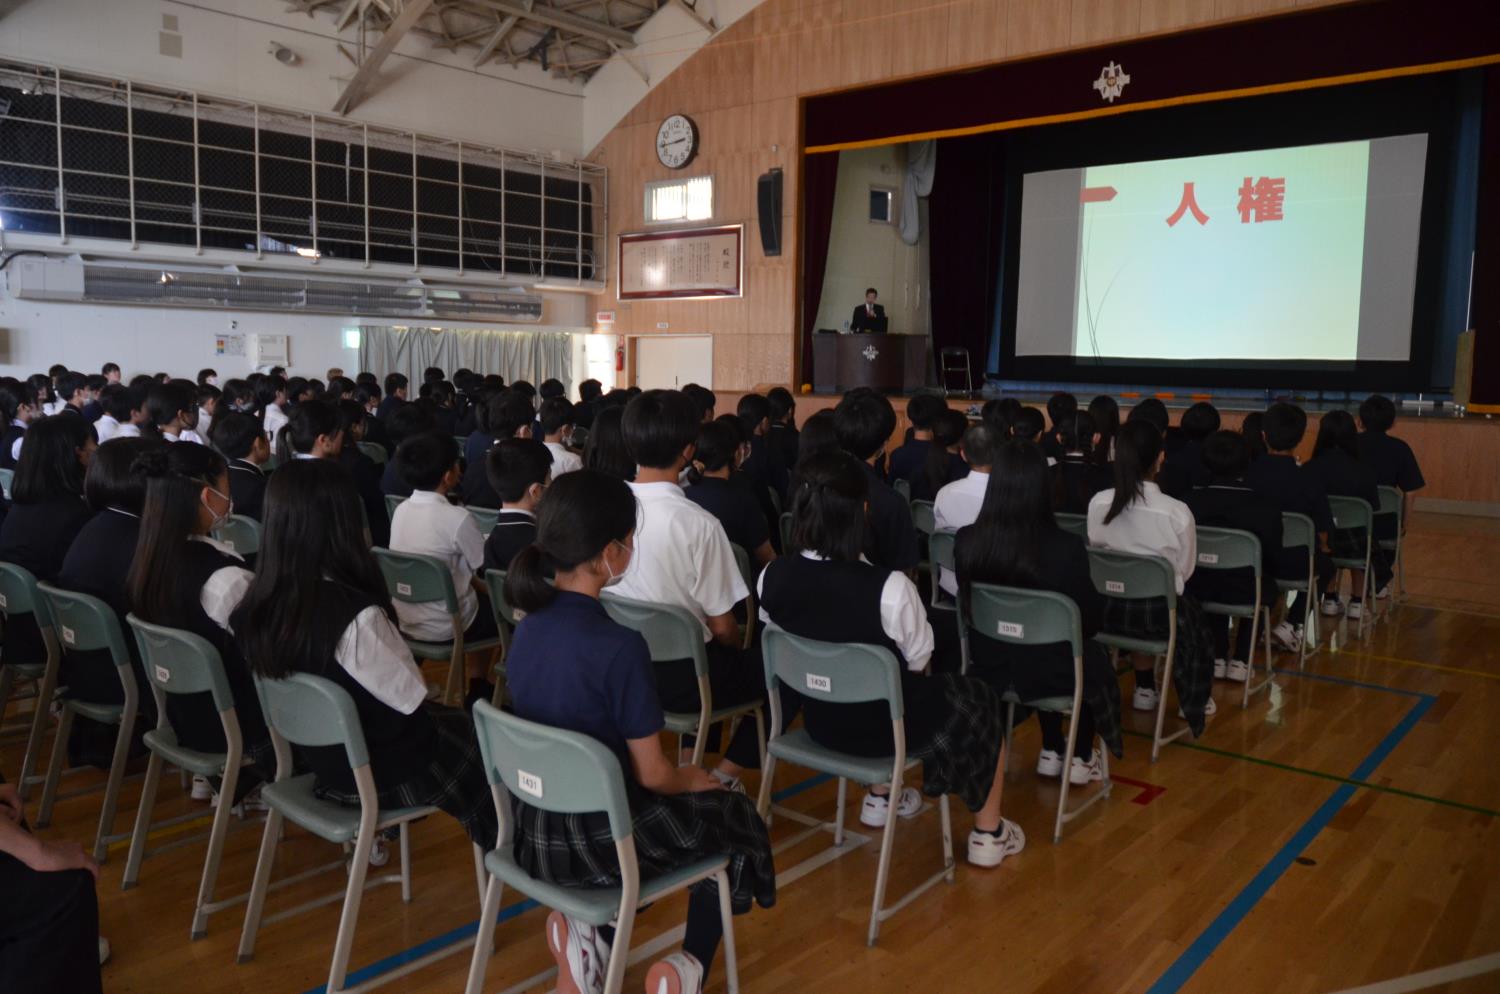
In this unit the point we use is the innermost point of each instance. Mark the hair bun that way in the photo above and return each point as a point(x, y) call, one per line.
point(151, 464)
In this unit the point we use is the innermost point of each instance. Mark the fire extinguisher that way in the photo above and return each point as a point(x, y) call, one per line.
point(620, 357)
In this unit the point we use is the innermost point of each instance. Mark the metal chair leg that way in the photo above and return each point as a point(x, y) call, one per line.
point(883, 874)
point(838, 817)
point(726, 916)
point(41, 711)
point(54, 768)
point(112, 786)
point(259, 885)
point(142, 822)
point(405, 843)
point(215, 854)
point(946, 821)
point(619, 954)
point(338, 970)
point(484, 939)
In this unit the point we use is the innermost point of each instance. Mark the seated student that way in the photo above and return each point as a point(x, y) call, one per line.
point(1026, 425)
point(94, 410)
point(1227, 501)
point(589, 392)
point(1277, 477)
point(510, 416)
point(943, 464)
point(864, 421)
point(111, 372)
point(764, 462)
point(572, 667)
point(827, 591)
point(1336, 465)
point(1079, 474)
point(605, 450)
point(191, 415)
point(181, 578)
point(783, 423)
point(1000, 412)
point(318, 604)
point(959, 502)
point(1135, 516)
point(1393, 461)
point(208, 405)
point(714, 457)
point(409, 420)
point(72, 393)
point(239, 438)
point(368, 397)
point(1061, 407)
point(116, 407)
point(445, 401)
point(426, 523)
point(909, 459)
point(365, 471)
point(1105, 413)
point(170, 411)
point(47, 510)
point(313, 431)
point(702, 398)
point(683, 559)
point(18, 406)
point(271, 395)
point(49, 911)
point(42, 385)
point(1253, 429)
point(208, 377)
point(557, 426)
point(1015, 542)
point(520, 471)
point(818, 434)
point(1183, 469)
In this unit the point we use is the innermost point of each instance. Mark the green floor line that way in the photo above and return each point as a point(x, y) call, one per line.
point(1367, 785)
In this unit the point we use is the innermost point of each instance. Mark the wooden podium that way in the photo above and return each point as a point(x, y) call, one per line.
point(890, 363)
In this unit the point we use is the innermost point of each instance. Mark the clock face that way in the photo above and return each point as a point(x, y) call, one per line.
point(676, 141)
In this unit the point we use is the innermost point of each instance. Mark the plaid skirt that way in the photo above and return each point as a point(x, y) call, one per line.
point(1347, 543)
point(963, 750)
point(670, 831)
point(452, 781)
point(1193, 664)
point(1038, 675)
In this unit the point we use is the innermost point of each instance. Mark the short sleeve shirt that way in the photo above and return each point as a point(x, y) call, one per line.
point(427, 524)
point(744, 523)
point(1393, 461)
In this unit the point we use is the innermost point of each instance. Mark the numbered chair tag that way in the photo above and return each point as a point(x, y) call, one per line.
point(404, 589)
point(822, 684)
point(69, 636)
point(1208, 558)
point(529, 782)
point(4, 603)
point(227, 543)
point(1011, 629)
point(1114, 586)
point(163, 675)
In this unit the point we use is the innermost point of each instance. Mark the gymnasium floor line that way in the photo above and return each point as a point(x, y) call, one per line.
point(1197, 953)
point(505, 914)
point(1417, 663)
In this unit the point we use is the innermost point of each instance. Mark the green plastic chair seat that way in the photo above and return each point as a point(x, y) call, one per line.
point(337, 823)
point(1077, 524)
point(1231, 610)
point(686, 722)
point(798, 747)
point(163, 742)
point(1290, 585)
point(1056, 705)
point(374, 451)
point(1129, 644)
point(108, 714)
point(27, 671)
point(444, 650)
point(596, 906)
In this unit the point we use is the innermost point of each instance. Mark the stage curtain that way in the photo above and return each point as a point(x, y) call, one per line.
point(1485, 312)
point(516, 355)
point(964, 228)
point(820, 180)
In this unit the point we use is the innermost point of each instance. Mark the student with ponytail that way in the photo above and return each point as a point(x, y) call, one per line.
point(171, 410)
point(716, 456)
point(1079, 474)
point(1135, 516)
point(571, 666)
point(18, 406)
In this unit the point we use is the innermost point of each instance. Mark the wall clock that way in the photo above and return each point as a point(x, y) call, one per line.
point(676, 141)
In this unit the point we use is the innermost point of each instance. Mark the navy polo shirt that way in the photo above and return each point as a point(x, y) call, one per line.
point(890, 536)
point(571, 666)
point(1393, 461)
point(1291, 488)
point(736, 508)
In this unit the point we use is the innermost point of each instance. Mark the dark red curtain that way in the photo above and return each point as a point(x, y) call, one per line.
point(820, 179)
point(1485, 304)
point(964, 231)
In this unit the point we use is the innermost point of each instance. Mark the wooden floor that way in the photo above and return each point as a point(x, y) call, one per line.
point(1343, 831)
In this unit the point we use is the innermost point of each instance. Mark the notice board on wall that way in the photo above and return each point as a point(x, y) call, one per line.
point(685, 264)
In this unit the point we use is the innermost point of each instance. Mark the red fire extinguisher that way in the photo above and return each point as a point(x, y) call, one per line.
point(620, 357)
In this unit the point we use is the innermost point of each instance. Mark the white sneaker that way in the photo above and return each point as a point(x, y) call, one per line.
point(1144, 699)
point(1049, 764)
point(1286, 637)
point(1084, 771)
point(1384, 592)
point(732, 784)
point(104, 950)
point(679, 973)
point(1209, 710)
point(988, 849)
point(1218, 669)
point(202, 789)
point(580, 968)
point(1237, 670)
point(1354, 611)
point(1331, 607)
point(877, 810)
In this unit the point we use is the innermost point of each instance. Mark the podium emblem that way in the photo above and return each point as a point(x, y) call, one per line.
point(871, 353)
point(1111, 81)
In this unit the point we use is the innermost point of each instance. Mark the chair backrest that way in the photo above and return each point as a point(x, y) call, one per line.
point(1228, 548)
point(485, 518)
point(179, 662)
point(786, 532)
point(18, 594)
point(1132, 577)
point(1390, 501)
point(6, 477)
point(742, 560)
point(1077, 524)
point(392, 501)
point(840, 672)
point(1350, 512)
point(552, 769)
point(578, 439)
point(1024, 617)
point(308, 710)
point(671, 632)
point(775, 500)
point(240, 534)
point(494, 579)
point(84, 623)
point(375, 452)
point(416, 579)
point(940, 546)
point(1297, 531)
point(923, 516)
point(902, 487)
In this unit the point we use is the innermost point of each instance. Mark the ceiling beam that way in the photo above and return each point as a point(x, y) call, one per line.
point(490, 46)
point(411, 13)
point(588, 27)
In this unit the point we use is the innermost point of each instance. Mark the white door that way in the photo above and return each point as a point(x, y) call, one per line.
point(670, 362)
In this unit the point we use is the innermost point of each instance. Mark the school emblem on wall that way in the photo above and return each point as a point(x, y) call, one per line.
point(1111, 81)
point(870, 353)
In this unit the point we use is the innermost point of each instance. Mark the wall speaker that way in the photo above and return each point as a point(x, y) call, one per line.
point(768, 189)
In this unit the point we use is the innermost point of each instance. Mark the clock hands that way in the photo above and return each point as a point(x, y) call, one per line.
point(670, 144)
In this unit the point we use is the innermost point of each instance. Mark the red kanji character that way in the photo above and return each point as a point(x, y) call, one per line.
point(1263, 198)
point(1189, 203)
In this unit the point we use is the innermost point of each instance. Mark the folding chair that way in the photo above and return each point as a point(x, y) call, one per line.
point(1355, 512)
point(86, 624)
point(785, 521)
point(846, 673)
point(375, 452)
point(391, 503)
point(1298, 531)
point(6, 478)
point(1229, 548)
point(417, 579)
point(955, 359)
point(1393, 501)
point(1133, 577)
point(940, 556)
point(179, 662)
point(18, 598)
point(1037, 617)
point(902, 487)
point(485, 518)
point(505, 622)
point(673, 633)
point(240, 534)
point(923, 516)
point(1077, 524)
point(742, 560)
point(307, 710)
point(570, 773)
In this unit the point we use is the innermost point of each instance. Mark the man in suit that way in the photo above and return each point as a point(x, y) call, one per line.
point(869, 318)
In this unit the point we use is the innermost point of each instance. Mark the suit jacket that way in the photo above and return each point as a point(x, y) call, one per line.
point(862, 322)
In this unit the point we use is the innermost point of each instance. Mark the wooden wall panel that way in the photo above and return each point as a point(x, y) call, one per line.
point(1033, 27)
point(1102, 20)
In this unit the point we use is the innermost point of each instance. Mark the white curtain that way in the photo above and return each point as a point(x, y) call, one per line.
point(516, 355)
point(921, 165)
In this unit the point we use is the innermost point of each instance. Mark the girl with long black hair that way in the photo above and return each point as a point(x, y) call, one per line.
point(571, 666)
point(1078, 475)
point(718, 453)
point(605, 449)
point(1105, 412)
point(1337, 465)
point(18, 406)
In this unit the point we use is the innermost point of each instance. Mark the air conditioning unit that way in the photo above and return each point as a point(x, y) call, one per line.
point(40, 278)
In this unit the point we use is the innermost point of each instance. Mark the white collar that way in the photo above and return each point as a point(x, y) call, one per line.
point(428, 497)
point(810, 554)
point(518, 510)
point(220, 546)
point(659, 488)
point(120, 510)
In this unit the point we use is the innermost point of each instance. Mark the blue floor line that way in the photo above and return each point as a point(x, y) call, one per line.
point(464, 932)
point(1182, 970)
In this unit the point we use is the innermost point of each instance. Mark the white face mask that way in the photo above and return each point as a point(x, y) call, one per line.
point(213, 381)
point(614, 577)
point(219, 519)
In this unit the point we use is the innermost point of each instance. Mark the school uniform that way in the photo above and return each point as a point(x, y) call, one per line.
point(890, 536)
point(445, 420)
point(247, 488)
point(36, 537)
point(1036, 671)
point(1292, 489)
point(514, 530)
point(128, 430)
point(274, 420)
point(366, 476)
point(205, 422)
point(97, 563)
point(765, 465)
point(908, 460)
point(1344, 475)
point(1395, 465)
point(736, 510)
point(1183, 470)
point(376, 433)
point(106, 428)
point(1076, 480)
point(1232, 504)
point(474, 489)
point(392, 483)
point(958, 505)
point(10, 443)
point(476, 449)
point(427, 524)
point(388, 405)
point(955, 724)
point(954, 468)
point(564, 460)
point(785, 437)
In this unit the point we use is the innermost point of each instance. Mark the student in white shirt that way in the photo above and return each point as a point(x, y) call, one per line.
point(208, 403)
point(1135, 516)
point(270, 396)
point(682, 558)
point(958, 503)
point(116, 401)
point(171, 411)
point(557, 424)
point(425, 523)
point(17, 408)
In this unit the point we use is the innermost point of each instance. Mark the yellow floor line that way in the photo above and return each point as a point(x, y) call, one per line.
point(1361, 654)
